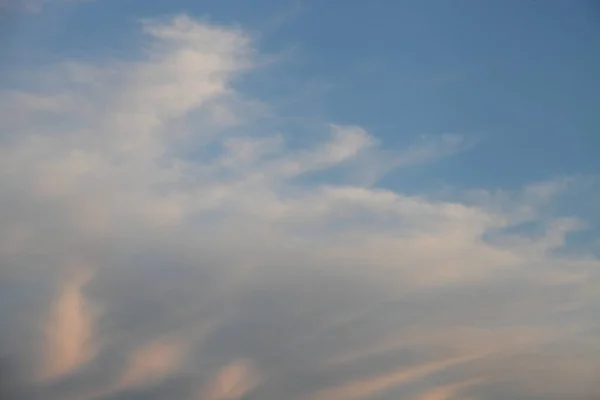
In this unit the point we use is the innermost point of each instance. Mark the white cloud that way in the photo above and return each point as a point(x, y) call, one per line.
point(131, 167)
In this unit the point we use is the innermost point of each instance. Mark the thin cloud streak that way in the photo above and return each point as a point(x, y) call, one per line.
point(69, 330)
point(370, 387)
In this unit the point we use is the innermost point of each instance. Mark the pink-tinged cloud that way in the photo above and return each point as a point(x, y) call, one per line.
point(232, 382)
point(69, 340)
point(368, 387)
point(450, 391)
point(153, 362)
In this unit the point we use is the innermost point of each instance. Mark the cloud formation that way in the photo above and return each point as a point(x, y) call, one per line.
point(232, 382)
point(227, 263)
point(68, 331)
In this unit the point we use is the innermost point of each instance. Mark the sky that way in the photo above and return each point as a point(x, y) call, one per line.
point(299, 199)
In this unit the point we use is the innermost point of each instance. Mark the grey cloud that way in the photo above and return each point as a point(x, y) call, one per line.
point(224, 277)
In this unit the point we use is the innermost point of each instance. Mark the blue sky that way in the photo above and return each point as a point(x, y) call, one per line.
point(518, 77)
point(226, 200)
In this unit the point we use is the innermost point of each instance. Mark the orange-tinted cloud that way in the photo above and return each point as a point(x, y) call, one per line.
point(361, 389)
point(152, 362)
point(232, 382)
point(449, 391)
point(69, 330)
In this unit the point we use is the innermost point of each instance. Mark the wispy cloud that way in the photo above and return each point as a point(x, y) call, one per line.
point(225, 270)
point(69, 330)
point(448, 391)
point(151, 362)
point(232, 382)
point(370, 387)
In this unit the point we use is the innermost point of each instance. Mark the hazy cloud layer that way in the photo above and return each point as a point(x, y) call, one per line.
point(156, 242)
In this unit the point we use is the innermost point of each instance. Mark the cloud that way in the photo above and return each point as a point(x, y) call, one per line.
point(69, 330)
point(372, 386)
point(151, 362)
point(229, 263)
point(232, 382)
point(448, 391)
